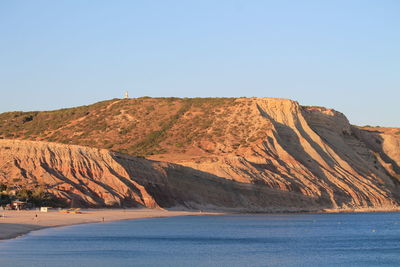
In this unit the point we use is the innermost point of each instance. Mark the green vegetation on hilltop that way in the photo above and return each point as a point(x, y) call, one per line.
point(152, 140)
point(142, 126)
point(150, 144)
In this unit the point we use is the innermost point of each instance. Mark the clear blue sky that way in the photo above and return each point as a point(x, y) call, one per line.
point(338, 54)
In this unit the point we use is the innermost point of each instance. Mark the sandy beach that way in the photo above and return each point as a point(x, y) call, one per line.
point(16, 223)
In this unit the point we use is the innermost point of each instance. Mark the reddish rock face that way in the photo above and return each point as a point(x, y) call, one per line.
point(91, 177)
point(254, 154)
point(310, 150)
point(86, 176)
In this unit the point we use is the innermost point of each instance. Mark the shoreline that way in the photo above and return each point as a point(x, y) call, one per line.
point(19, 223)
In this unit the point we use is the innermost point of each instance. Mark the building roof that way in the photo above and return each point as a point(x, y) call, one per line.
point(18, 202)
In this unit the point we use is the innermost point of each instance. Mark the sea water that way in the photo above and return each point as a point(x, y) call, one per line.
point(350, 239)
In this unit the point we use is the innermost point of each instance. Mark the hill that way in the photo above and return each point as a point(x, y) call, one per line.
point(269, 143)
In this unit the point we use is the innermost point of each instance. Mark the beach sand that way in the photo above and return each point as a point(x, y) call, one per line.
point(16, 223)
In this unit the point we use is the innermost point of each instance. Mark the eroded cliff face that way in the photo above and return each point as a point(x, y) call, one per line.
point(80, 175)
point(313, 151)
point(254, 154)
point(89, 177)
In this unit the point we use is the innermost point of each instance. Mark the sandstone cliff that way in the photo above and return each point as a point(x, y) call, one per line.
point(89, 177)
point(313, 151)
point(245, 153)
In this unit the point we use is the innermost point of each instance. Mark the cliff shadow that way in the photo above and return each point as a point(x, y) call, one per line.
point(374, 141)
point(173, 185)
point(290, 142)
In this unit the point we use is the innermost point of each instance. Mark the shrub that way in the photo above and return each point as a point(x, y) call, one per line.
point(4, 199)
point(24, 194)
point(27, 119)
point(3, 187)
point(150, 108)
